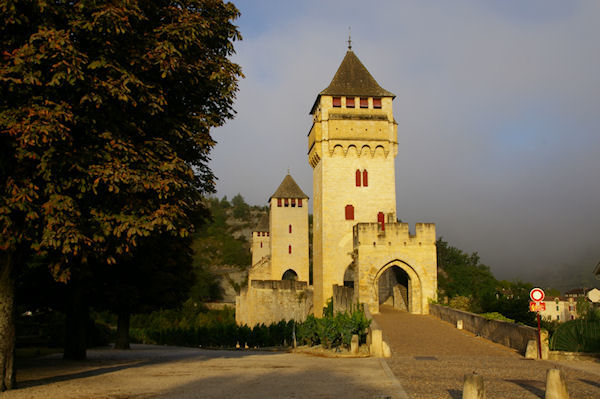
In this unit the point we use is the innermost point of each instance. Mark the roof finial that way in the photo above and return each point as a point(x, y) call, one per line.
point(288, 170)
point(349, 38)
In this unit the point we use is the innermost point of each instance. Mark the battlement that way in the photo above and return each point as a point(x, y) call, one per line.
point(393, 234)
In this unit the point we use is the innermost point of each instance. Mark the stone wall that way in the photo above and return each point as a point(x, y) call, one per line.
point(270, 301)
point(508, 334)
point(343, 299)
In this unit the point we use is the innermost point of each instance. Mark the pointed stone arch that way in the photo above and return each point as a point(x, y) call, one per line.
point(414, 287)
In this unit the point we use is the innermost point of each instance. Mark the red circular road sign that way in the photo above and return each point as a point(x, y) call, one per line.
point(536, 294)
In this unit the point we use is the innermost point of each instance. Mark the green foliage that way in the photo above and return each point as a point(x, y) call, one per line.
point(577, 336)
point(463, 275)
point(496, 316)
point(193, 326)
point(461, 302)
point(333, 331)
point(105, 112)
point(241, 210)
point(512, 300)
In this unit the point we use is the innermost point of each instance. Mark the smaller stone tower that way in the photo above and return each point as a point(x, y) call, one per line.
point(261, 240)
point(288, 228)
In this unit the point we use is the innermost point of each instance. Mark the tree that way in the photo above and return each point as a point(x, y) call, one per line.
point(461, 274)
point(241, 210)
point(105, 114)
point(158, 275)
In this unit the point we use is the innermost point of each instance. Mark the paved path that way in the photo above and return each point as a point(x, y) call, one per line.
point(172, 372)
point(431, 357)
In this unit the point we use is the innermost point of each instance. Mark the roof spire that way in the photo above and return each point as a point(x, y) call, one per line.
point(349, 38)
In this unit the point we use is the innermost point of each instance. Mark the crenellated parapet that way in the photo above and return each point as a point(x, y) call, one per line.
point(389, 234)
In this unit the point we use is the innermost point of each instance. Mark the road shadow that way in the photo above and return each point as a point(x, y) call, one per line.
point(107, 360)
point(538, 388)
point(592, 383)
point(280, 383)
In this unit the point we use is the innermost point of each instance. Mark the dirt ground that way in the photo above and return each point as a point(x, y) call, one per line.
point(171, 372)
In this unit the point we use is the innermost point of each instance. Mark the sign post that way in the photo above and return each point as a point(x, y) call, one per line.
point(537, 296)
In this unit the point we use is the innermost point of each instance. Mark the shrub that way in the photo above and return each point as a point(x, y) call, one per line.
point(577, 336)
point(333, 331)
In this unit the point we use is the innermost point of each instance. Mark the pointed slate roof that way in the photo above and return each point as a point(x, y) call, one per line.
point(288, 189)
point(263, 224)
point(353, 78)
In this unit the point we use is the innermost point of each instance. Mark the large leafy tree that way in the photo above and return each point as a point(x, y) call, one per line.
point(105, 112)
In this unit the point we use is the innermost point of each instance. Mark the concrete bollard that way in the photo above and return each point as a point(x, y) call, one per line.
point(532, 350)
point(556, 384)
point(376, 347)
point(473, 387)
point(459, 324)
point(387, 352)
point(354, 344)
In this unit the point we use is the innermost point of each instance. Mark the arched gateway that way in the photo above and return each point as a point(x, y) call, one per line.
point(393, 263)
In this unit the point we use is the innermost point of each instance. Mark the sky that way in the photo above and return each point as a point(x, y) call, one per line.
point(498, 112)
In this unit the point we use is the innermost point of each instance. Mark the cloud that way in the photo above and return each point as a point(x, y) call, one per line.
point(497, 110)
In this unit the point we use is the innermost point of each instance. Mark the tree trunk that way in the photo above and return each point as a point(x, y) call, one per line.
point(123, 331)
point(76, 322)
point(8, 377)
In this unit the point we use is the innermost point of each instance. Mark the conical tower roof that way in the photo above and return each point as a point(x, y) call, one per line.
point(263, 224)
point(353, 79)
point(288, 189)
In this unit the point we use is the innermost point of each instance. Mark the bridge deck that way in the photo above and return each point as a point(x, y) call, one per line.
point(431, 357)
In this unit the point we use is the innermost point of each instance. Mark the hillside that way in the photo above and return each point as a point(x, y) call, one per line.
point(222, 249)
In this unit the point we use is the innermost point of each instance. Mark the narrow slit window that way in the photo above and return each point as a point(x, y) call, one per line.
point(286, 202)
point(349, 102)
point(349, 212)
point(290, 228)
point(357, 178)
point(278, 201)
point(364, 102)
point(299, 202)
point(289, 249)
point(377, 103)
point(365, 178)
point(261, 244)
point(381, 219)
point(337, 102)
point(293, 202)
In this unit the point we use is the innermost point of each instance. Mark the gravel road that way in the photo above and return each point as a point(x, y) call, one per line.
point(430, 358)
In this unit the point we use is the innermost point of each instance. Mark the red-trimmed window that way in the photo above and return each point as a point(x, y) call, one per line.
point(349, 102)
point(381, 219)
point(293, 202)
point(278, 201)
point(290, 228)
point(364, 102)
point(365, 181)
point(337, 102)
point(357, 174)
point(377, 103)
point(286, 202)
point(349, 212)
point(289, 249)
point(299, 202)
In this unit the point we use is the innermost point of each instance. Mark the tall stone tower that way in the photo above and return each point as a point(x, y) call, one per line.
point(352, 146)
point(288, 227)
